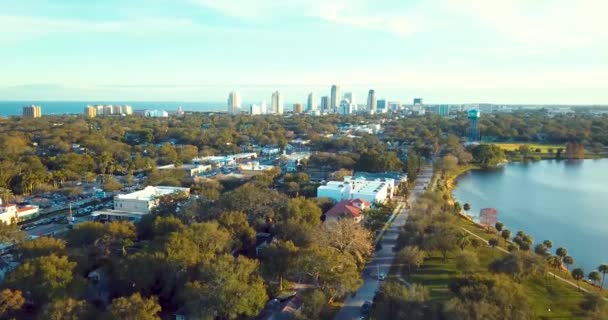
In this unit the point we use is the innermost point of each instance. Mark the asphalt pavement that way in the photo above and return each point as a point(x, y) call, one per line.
point(382, 260)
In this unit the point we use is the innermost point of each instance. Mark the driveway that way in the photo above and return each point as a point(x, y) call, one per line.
point(382, 260)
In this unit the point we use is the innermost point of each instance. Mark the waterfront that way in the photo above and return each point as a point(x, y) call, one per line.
point(563, 201)
point(14, 108)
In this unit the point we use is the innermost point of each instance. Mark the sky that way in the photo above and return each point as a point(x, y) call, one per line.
point(446, 51)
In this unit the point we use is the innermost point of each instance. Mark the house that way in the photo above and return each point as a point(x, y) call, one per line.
point(372, 190)
point(351, 209)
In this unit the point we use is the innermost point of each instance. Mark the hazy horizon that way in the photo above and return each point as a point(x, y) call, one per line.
point(445, 51)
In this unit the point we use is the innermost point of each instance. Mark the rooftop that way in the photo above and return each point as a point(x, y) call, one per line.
point(151, 192)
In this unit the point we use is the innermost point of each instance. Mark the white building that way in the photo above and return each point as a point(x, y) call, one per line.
point(269, 151)
point(255, 110)
point(143, 201)
point(11, 213)
point(192, 170)
point(229, 160)
point(234, 103)
point(277, 103)
point(346, 107)
point(156, 113)
point(253, 168)
point(374, 191)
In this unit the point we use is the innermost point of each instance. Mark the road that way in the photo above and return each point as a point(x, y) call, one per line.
point(382, 260)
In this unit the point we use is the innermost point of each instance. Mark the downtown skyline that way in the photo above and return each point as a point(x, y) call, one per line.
point(198, 50)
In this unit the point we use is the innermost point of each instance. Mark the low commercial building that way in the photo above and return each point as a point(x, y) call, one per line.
point(254, 168)
point(192, 170)
point(143, 201)
point(372, 190)
point(11, 213)
point(348, 209)
point(229, 160)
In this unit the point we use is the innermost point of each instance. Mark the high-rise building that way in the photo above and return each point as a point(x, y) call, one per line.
point(371, 101)
point(32, 111)
point(277, 103)
point(473, 133)
point(263, 107)
point(346, 107)
point(382, 106)
point(255, 109)
point(350, 97)
point(324, 104)
point(298, 108)
point(90, 111)
point(442, 110)
point(127, 110)
point(311, 106)
point(335, 98)
point(417, 101)
point(234, 103)
point(180, 111)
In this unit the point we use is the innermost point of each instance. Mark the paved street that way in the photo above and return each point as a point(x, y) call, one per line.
point(382, 259)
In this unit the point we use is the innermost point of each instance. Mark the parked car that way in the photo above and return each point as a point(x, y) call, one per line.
point(366, 308)
point(381, 276)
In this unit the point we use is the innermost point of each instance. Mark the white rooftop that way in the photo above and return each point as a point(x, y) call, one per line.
point(151, 192)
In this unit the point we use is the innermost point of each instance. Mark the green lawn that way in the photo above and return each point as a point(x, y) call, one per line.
point(545, 293)
point(544, 148)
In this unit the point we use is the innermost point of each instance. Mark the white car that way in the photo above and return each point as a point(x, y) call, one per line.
point(381, 276)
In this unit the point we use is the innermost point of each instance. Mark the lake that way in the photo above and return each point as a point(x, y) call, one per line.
point(562, 201)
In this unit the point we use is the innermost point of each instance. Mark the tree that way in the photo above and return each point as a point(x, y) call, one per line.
point(568, 261)
point(346, 237)
point(466, 207)
point(228, 288)
point(548, 244)
point(499, 226)
point(135, 307)
point(66, 309)
point(110, 184)
point(594, 276)
point(10, 301)
point(578, 274)
point(505, 234)
point(46, 278)
point(561, 252)
point(595, 306)
point(476, 243)
point(493, 242)
point(410, 256)
point(575, 151)
point(10, 233)
point(42, 246)
point(466, 262)
point(313, 303)
point(463, 240)
point(540, 249)
point(237, 224)
point(488, 155)
point(279, 260)
point(449, 163)
point(395, 301)
point(603, 269)
point(554, 262)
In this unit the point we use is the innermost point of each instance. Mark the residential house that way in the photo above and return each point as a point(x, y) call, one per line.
point(349, 209)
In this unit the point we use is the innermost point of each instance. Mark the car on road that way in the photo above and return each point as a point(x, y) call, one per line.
point(366, 308)
point(381, 276)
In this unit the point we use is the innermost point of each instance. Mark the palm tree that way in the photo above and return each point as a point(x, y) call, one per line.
point(548, 244)
point(603, 269)
point(505, 234)
point(6, 195)
point(568, 260)
point(561, 252)
point(540, 249)
point(493, 243)
point(578, 274)
point(594, 276)
point(466, 207)
point(463, 240)
point(555, 262)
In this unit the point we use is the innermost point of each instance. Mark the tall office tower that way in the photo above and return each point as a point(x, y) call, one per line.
point(298, 108)
point(346, 107)
point(350, 97)
point(32, 111)
point(255, 110)
point(234, 103)
point(382, 106)
point(371, 102)
point(312, 104)
point(90, 111)
point(473, 133)
point(263, 107)
point(277, 103)
point(324, 104)
point(335, 98)
point(417, 101)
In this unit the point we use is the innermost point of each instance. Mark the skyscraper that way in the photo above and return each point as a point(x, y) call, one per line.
point(32, 111)
point(382, 106)
point(350, 97)
point(298, 108)
point(325, 104)
point(335, 98)
point(90, 111)
point(312, 104)
point(371, 101)
point(234, 103)
point(346, 107)
point(277, 103)
point(442, 110)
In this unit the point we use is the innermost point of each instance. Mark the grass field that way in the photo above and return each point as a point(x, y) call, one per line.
point(544, 148)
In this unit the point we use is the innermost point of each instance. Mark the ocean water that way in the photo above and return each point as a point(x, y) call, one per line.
point(14, 108)
point(562, 201)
